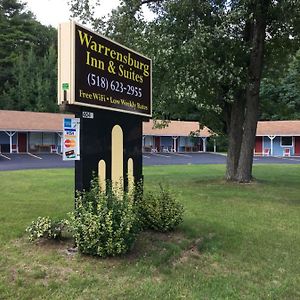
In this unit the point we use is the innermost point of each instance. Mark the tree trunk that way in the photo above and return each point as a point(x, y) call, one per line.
point(234, 139)
point(244, 170)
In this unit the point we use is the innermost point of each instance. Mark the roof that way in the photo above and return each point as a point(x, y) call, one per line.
point(31, 121)
point(175, 128)
point(53, 122)
point(278, 128)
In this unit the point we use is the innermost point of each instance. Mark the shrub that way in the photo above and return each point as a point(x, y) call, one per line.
point(104, 224)
point(44, 227)
point(160, 211)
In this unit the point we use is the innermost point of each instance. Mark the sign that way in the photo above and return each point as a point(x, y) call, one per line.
point(71, 145)
point(65, 86)
point(102, 73)
point(87, 115)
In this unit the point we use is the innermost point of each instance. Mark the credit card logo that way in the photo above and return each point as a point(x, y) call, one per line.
point(70, 143)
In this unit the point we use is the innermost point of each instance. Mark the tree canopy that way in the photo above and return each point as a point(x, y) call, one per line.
point(208, 58)
point(27, 49)
point(200, 50)
point(281, 94)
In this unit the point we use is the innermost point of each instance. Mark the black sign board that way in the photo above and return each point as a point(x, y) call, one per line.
point(106, 74)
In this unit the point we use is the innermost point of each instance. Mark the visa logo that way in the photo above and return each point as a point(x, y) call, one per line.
point(70, 132)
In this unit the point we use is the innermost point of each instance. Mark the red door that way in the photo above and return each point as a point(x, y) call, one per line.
point(258, 145)
point(22, 142)
point(297, 145)
point(157, 143)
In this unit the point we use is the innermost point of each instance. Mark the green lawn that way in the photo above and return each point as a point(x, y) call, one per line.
point(236, 241)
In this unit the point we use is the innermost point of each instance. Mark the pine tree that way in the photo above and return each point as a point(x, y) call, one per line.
point(21, 36)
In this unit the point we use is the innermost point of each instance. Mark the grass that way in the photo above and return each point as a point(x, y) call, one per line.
point(236, 241)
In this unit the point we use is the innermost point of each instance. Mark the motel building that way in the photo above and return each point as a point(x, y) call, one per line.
point(174, 137)
point(35, 132)
point(277, 138)
point(30, 132)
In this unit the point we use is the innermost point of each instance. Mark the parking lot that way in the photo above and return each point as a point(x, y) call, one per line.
point(182, 158)
point(207, 158)
point(45, 161)
point(30, 161)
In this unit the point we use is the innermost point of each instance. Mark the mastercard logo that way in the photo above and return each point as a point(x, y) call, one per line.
point(70, 143)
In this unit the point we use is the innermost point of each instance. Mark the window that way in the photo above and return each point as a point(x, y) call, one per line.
point(48, 138)
point(287, 141)
point(35, 138)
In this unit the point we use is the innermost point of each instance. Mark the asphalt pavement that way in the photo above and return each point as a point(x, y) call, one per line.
point(171, 158)
point(48, 161)
point(32, 161)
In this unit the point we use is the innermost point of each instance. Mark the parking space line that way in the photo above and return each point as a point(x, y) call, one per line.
point(156, 154)
point(35, 156)
point(5, 156)
point(180, 154)
point(146, 156)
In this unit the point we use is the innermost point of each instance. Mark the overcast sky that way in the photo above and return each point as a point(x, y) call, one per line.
point(53, 12)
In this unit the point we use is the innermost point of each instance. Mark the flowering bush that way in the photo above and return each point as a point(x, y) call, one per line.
point(107, 223)
point(104, 224)
point(44, 227)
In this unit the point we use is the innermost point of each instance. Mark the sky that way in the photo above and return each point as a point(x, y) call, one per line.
point(53, 12)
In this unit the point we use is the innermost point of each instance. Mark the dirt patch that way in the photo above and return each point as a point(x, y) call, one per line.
point(44, 244)
point(146, 243)
point(13, 275)
point(190, 252)
point(170, 237)
point(55, 244)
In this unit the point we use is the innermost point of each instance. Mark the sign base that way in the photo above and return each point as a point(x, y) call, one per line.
point(111, 147)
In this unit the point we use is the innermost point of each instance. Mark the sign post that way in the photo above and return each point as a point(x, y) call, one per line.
point(108, 86)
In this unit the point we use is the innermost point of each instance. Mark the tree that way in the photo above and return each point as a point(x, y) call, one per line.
point(46, 82)
point(208, 60)
point(35, 83)
point(20, 34)
point(281, 95)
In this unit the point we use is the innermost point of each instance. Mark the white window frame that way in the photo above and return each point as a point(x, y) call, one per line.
point(287, 146)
